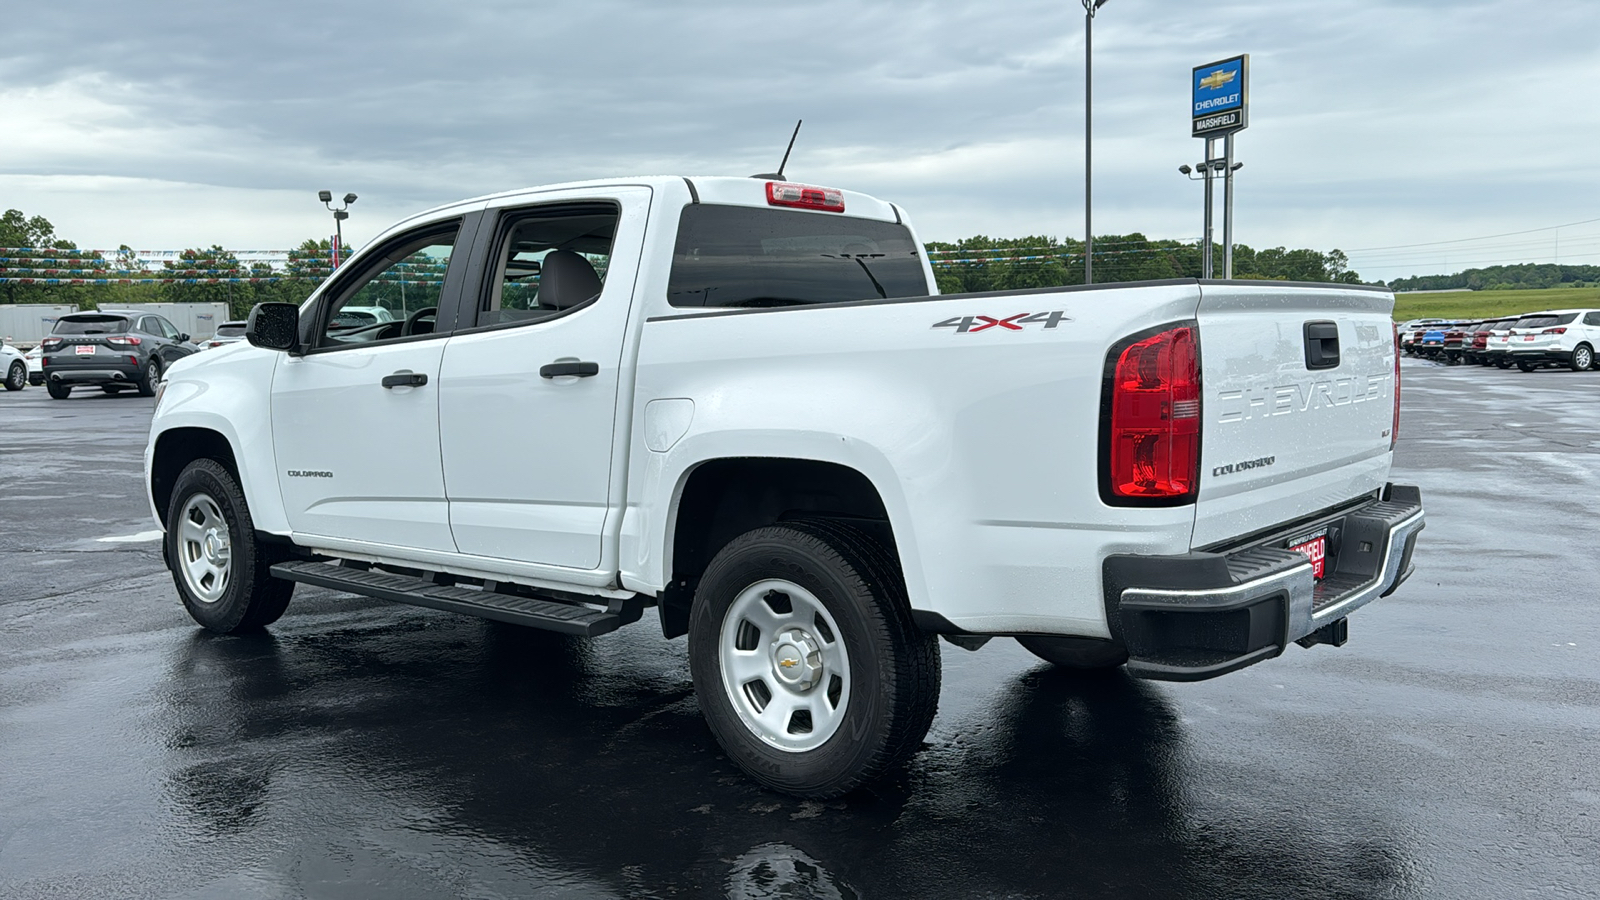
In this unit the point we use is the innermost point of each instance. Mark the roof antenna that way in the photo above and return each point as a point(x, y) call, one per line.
point(778, 175)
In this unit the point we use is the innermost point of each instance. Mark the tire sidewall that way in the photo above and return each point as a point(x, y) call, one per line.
point(17, 376)
point(152, 376)
point(1582, 350)
point(208, 477)
point(794, 556)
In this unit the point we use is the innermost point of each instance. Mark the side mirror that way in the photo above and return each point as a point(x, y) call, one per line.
point(182, 337)
point(274, 326)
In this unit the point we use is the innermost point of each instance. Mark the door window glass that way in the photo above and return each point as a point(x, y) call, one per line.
point(396, 294)
point(164, 328)
point(547, 261)
point(1592, 318)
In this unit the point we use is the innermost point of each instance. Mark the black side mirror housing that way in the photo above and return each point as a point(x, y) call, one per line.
point(182, 336)
point(275, 326)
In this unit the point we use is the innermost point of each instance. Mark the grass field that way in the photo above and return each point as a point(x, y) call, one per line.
point(1465, 305)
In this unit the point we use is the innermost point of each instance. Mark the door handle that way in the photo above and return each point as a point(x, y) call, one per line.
point(580, 369)
point(405, 379)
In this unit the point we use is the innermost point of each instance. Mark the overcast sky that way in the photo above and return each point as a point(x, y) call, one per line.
point(1374, 123)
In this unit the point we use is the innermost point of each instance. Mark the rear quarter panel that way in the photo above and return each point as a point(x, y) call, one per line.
point(983, 444)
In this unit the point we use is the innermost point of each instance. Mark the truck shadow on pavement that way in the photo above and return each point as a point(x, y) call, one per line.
point(433, 754)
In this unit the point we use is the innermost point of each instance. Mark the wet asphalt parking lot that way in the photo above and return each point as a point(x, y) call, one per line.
point(361, 749)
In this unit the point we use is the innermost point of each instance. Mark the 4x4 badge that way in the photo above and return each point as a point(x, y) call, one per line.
point(975, 324)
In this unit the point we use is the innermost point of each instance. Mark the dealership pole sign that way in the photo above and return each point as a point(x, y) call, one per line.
point(1221, 98)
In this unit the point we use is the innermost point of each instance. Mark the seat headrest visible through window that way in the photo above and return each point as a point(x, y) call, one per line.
point(566, 280)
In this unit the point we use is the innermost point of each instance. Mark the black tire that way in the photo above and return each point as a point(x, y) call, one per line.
point(251, 598)
point(893, 687)
point(17, 376)
point(58, 391)
point(111, 388)
point(150, 378)
point(1582, 358)
point(1502, 363)
point(1086, 654)
point(1526, 366)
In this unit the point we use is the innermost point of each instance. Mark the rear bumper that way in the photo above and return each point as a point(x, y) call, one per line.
point(1200, 615)
point(1557, 356)
point(101, 374)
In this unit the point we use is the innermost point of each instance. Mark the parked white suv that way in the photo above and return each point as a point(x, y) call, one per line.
point(1566, 337)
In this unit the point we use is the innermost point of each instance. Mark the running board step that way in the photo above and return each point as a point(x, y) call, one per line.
point(550, 615)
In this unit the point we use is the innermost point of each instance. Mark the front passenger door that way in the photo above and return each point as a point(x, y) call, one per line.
point(355, 421)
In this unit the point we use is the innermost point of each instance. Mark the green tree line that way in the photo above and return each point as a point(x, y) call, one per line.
point(1525, 276)
point(978, 263)
point(983, 263)
point(305, 271)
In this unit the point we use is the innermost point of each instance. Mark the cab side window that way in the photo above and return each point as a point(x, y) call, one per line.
point(395, 294)
point(548, 260)
point(1592, 318)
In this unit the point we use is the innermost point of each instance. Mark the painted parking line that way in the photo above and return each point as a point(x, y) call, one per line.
point(142, 537)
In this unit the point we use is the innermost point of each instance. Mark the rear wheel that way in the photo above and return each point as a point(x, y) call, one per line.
point(150, 378)
point(1075, 652)
point(58, 391)
point(807, 666)
point(111, 388)
point(1525, 366)
point(221, 571)
point(17, 376)
point(1582, 358)
point(1502, 363)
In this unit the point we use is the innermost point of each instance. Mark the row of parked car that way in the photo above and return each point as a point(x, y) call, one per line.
point(1559, 337)
point(114, 350)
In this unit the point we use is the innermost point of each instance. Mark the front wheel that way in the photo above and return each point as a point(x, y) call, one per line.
point(220, 569)
point(1074, 652)
point(807, 666)
point(1502, 363)
point(1582, 358)
point(17, 377)
point(1525, 366)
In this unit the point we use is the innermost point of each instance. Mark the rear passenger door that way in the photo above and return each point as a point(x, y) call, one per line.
point(528, 393)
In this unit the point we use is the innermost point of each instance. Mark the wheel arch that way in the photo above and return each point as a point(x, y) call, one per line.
point(174, 450)
point(721, 498)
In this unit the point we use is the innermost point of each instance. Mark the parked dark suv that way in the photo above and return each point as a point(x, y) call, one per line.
point(111, 349)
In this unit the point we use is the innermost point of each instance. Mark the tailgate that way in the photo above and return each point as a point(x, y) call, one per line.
point(1290, 431)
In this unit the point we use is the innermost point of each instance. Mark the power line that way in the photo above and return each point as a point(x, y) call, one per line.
point(1466, 240)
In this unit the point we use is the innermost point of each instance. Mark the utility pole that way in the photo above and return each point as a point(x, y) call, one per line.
point(1089, 9)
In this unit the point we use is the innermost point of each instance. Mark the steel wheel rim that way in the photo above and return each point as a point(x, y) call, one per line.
point(786, 673)
point(205, 549)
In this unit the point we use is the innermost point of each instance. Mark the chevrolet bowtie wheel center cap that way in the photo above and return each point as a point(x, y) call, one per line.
point(797, 659)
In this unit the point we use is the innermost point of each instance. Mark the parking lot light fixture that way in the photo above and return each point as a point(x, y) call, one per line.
point(339, 215)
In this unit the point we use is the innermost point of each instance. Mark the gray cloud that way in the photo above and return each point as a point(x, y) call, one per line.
point(1372, 123)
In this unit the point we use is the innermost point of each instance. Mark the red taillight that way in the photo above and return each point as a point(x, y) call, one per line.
point(119, 341)
point(801, 196)
point(50, 343)
point(1154, 440)
point(1554, 331)
point(1394, 430)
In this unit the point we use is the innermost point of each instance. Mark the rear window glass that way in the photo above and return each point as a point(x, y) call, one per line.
point(91, 325)
point(737, 256)
point(1544, 321)
point(230, 331)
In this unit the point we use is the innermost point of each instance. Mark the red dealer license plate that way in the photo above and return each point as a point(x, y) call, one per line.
point(1316, 550)
point(85, 349)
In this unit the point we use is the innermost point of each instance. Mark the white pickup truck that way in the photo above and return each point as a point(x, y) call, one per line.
point(742, 402)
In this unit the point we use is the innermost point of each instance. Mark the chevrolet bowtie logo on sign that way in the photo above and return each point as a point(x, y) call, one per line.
point(1218, 78)
point(1220, 99)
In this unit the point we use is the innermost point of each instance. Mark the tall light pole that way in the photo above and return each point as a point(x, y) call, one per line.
point(339, 215)
point(1089, 9)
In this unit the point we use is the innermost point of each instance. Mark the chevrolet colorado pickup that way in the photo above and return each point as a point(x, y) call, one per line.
point(743, 403)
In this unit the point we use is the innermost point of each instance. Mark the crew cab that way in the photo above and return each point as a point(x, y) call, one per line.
point(743, 403)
